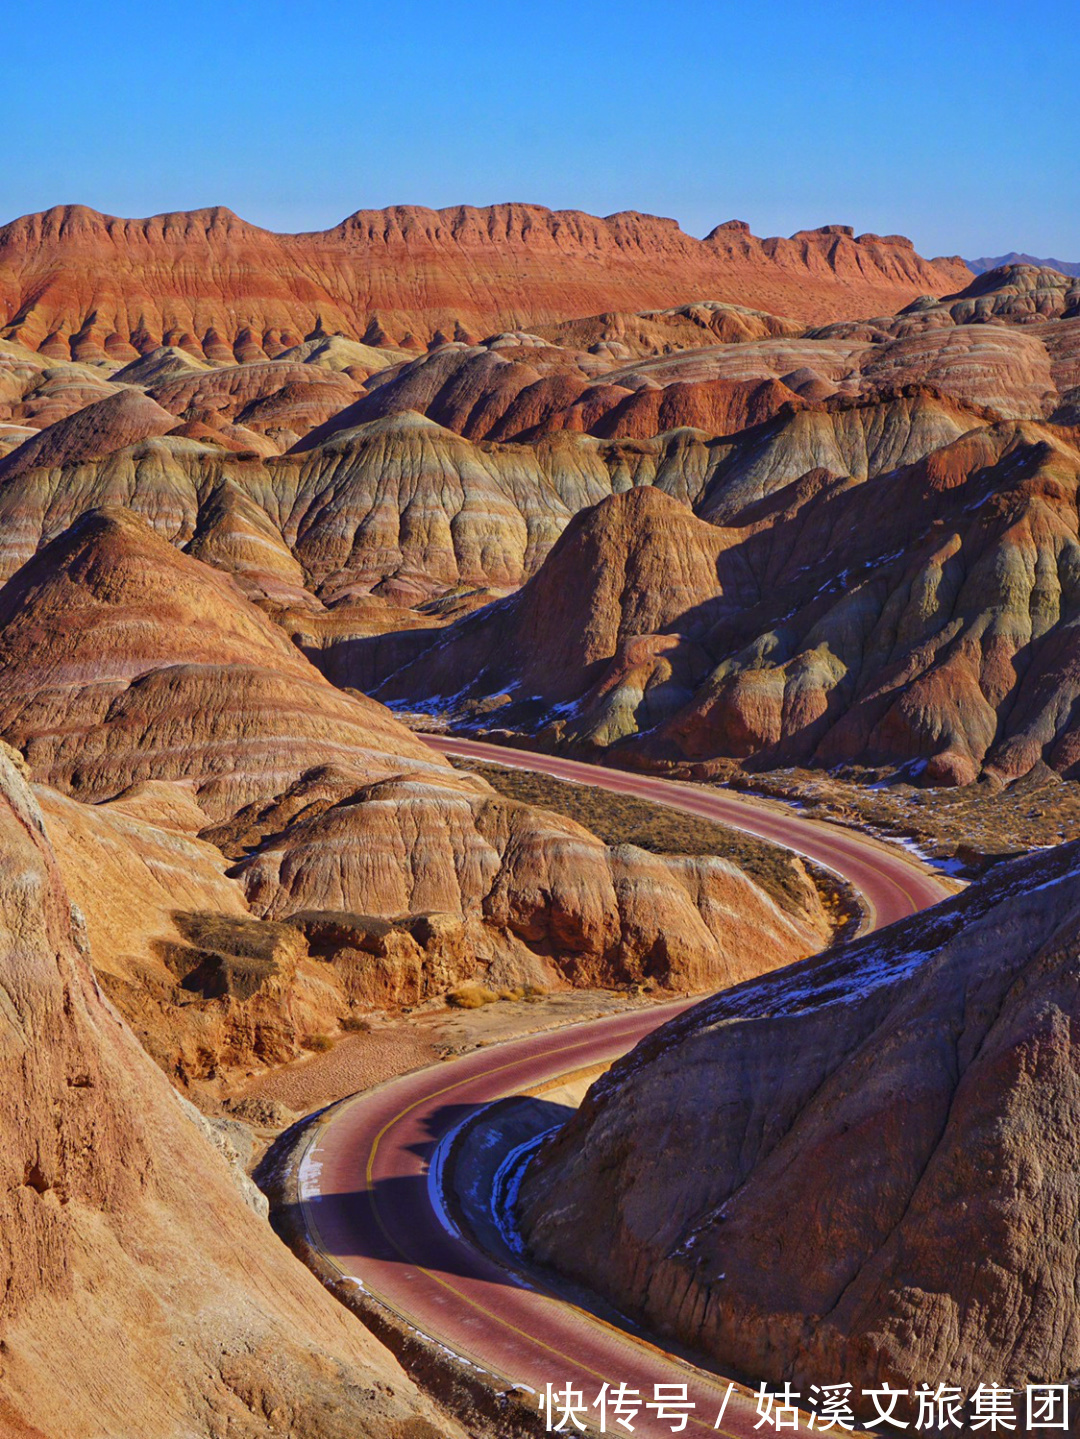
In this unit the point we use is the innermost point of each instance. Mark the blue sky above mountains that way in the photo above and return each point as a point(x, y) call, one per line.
point(953, 123)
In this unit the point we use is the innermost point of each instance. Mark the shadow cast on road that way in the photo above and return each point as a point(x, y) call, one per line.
point(396, 1220)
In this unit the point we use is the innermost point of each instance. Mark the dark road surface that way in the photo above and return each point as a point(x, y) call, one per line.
point(365, 1187)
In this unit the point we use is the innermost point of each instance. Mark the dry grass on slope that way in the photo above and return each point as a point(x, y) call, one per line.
point(971, 827)
point(625, 819)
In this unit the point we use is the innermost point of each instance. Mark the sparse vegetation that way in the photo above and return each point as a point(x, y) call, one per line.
point(229, 955)
point(319, 1043)
point(356, 1024)
point(237, 934)
point(625, 819)
point(470, 995)
point(972, 825)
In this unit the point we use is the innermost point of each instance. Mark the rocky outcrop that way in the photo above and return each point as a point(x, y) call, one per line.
point(400, 506)
point(123, 1231)
point(518, 433)
point(207, 989)
point(1016, 293)
point(979, 352)
point(913, 1096)
point(127, 665)
point(528, 896)
point(124, 660)
point(36, 392)
point(658, 332)
point(926, 457)
point(923, 617)
point(78, 284)
point(90, 433)
point(280, 401)
point(490, 391)
point(638, 565)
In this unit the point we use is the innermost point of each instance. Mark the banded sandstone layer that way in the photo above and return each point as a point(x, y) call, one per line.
point(82, 285)
point(927, 619)
point(877, 534)
point(281, 854)
point(142, 1294)
point(648, 496)
point(913, 1097)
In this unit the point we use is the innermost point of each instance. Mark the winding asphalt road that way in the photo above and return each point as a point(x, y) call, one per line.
point(371, 1205)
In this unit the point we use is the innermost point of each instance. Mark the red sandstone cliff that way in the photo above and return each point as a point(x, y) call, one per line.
point(83, 285)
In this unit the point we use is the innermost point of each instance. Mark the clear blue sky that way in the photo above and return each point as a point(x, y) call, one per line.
point(957, 123)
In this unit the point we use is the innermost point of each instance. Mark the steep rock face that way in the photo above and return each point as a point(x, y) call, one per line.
point(91, 286)
point(405, 508)
point(944, 640)
point(235, 534)
point(915, 1095)
point(165, 362)
point(542, 900)
point(123, 1231)
point(488, 392)
point(856, 438)
point(1013, 368)
point(924, 616)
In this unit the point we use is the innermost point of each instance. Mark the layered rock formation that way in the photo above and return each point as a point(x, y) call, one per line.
point(913, 1097)
point(80, 285)
point(124, 1233)
point(122, 660)
point(1008, 341)
point(379, 528)
point(656, 332)
point(923, 616)
point(164, 706)
point(417, 493)
point(532, 896)
point(90, 433)
point(588, 478)
point(208, 989)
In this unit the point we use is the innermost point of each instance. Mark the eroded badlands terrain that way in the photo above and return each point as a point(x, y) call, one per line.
point(789, 513)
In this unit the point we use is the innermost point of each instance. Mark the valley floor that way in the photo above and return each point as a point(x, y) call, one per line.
point(397, 1044)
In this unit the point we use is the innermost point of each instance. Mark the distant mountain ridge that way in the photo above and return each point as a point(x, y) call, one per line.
point(79, 285)
point(980, 267)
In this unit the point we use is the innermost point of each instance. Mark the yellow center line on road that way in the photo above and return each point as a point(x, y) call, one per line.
point(590, 1320)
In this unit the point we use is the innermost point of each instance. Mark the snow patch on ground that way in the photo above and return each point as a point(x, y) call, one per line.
point(506, 1186)
point(307, 1180)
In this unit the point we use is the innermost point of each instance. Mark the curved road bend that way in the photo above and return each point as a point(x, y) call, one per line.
point(364, 1181)
point(891, 884)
